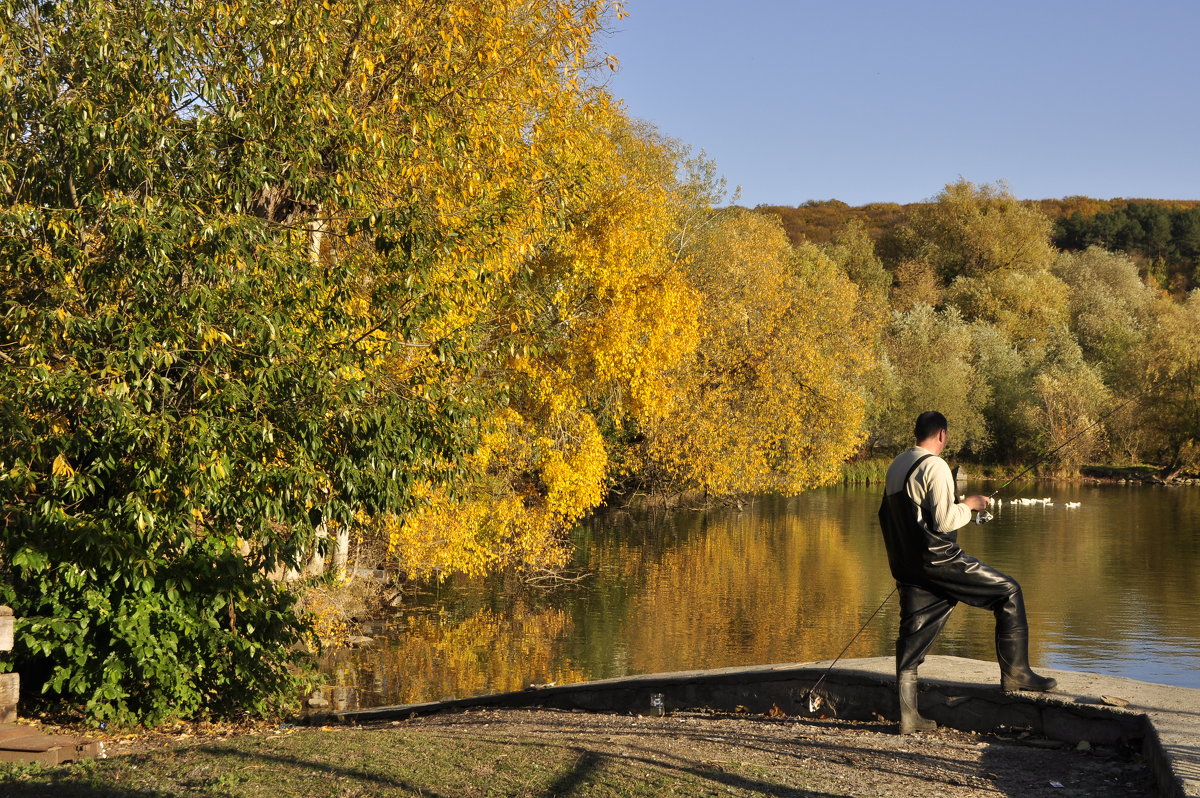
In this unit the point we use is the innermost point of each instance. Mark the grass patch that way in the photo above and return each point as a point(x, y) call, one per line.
point(871, 471)
point(1140, 472)
point(341, 762)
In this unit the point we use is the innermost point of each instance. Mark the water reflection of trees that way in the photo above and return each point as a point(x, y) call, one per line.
point(438, 655)
point(1125, 562)
point(747, 588)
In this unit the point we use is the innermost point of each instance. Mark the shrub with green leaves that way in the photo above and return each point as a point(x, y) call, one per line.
point(189, 387)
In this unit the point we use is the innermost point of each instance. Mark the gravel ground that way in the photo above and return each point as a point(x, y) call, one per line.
point(756, 755)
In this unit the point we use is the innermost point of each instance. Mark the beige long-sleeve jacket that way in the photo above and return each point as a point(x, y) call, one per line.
point(931, 487)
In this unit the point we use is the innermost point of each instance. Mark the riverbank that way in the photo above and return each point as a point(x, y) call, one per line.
point(873, 471)
point(547, 752)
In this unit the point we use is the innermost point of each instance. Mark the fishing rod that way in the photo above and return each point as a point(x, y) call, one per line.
point(1070, 440)
point(813, 700)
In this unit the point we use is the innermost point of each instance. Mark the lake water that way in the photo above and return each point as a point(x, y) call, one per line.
point(1111, 587)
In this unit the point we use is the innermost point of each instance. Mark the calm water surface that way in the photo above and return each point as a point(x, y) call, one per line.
point(1111, 587)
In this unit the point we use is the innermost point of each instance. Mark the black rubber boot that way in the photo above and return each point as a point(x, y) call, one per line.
point(910, 719)
point(1012, 651)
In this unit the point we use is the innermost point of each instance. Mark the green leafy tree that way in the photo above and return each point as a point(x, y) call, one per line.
point(1070, 396)
point(1109, 308)
point(932, 361)
point(1007, 370)
point(1171, 396)
point(853, 249)
point(1163, 237)
point(973, 230)
point(1040, 393)
point(1027, 306)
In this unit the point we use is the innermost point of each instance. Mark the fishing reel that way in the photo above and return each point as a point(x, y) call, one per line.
point(983, 516)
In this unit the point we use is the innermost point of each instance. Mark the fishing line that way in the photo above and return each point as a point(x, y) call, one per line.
point(1069, 441)
point(814, 701)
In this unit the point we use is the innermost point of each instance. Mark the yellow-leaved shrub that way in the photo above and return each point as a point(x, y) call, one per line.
point(770, 401)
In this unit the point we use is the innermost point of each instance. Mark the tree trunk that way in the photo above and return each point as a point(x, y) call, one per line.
point(316, 564)
point(341, 552)
point(1169, 473)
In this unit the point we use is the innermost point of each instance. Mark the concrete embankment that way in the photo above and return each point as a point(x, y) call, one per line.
point(1163, 721)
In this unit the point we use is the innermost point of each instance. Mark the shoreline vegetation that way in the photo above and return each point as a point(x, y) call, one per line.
point(871, 471)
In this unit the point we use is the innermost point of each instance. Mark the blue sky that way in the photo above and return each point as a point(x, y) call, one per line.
point(889, 101)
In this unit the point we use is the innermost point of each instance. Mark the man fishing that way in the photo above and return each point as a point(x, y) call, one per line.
point(920, 519)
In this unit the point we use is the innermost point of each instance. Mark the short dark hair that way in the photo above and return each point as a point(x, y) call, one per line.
point(929, 423)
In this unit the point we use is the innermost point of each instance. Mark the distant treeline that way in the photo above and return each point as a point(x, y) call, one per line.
point(1162, 236)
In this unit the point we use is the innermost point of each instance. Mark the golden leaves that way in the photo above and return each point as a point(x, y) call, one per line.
point(61, 468)
point(545, 227)
point(531, 479)
point(770, 401)
point(210, 337)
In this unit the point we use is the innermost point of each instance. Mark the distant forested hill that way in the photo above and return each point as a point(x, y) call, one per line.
point(1163, 236)
point(818, 220)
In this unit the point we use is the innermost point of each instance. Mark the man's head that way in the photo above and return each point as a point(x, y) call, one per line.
point(931, 431)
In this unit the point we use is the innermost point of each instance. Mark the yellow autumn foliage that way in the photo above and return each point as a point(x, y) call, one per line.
point(524, 488)
point(595, 325)
point(630, 309)
point(453, 120)
point(770, 401)
point(465, 189)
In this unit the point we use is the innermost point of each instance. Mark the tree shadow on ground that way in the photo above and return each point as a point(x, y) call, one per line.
point(1096, 773)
